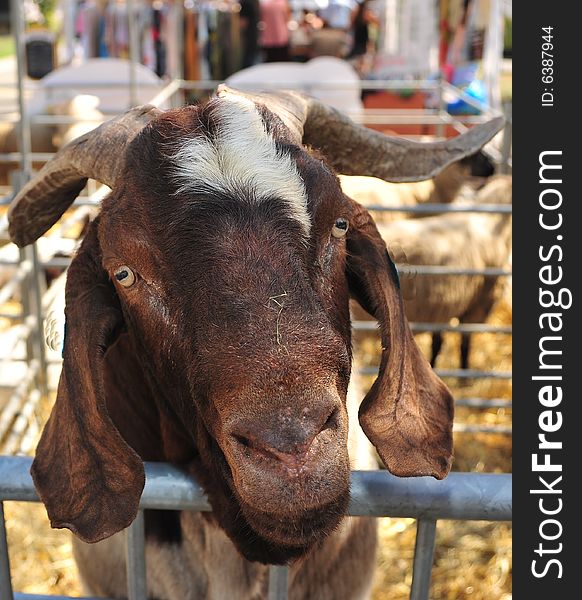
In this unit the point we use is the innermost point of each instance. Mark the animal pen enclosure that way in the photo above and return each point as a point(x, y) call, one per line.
point(31, 312)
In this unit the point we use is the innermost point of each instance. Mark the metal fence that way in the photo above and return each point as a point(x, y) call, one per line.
point(465, 496)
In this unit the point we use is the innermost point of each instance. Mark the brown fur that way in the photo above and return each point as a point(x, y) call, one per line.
point(196, 364)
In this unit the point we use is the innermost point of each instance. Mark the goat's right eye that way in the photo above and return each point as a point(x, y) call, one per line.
point(125, 276)
point(340, 227)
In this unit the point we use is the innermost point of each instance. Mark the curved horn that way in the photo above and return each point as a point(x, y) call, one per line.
point(356, 150)
point(95, 155)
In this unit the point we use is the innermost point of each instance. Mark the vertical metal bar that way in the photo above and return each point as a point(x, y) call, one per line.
point(5, 581)
point(506, 143)
point(33, 304)
point(69, 30)
point(423, 559)
point(136, 567)
point(133, 52)
point(179, 60)
point(25, 303)
point(278, 583)
point(36, 288)
point(24, 130)
point(440, 128)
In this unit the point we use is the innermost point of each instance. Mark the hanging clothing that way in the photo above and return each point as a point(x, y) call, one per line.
point(274, 35)
point(274, 32)
point(191, 70)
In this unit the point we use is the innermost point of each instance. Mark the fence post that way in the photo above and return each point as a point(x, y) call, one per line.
point(278, 583)
point(5, 581)
point(134, 51)
point(136, 567)
point(423, 559)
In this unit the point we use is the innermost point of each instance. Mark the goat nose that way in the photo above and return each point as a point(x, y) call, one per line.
point(283, 438)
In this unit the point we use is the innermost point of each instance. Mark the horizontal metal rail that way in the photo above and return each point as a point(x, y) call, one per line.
point(440, 270)
point(464, 496)
point(473, 374)
point(433, 327)
point(16, 157)
point(212, 84)
point(369, 84)
point(166, 93)
point(18, 398)
point(461, 373)
point(47, 119)
point(8, 289)
point(17, 433)
point(80, 201)
point(20, 333)
point(21, 596)
point(64, 262)
point(444, 208)
point(3, 223)
point(10, 316)
point(470, 428)
point(483, 402)
point(462, 95)
point(86, 83)
point(393, 118)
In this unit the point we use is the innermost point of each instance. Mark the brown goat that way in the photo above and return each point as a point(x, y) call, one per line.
point(208, 326)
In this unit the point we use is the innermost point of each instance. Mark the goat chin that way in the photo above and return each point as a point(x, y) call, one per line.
point(296, 533)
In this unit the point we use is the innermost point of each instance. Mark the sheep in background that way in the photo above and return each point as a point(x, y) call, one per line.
point(443, 188)
point(48, 138)
point(464, 240)
point(82, 106)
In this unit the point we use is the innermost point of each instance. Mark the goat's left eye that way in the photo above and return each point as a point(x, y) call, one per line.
point(340, 227)
point(125, 276)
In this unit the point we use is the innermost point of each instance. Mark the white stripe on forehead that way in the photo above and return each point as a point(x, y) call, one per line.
point(241, 159)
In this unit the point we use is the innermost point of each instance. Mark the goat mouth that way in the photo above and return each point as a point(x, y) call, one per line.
point(278, 483)
point(290, 465)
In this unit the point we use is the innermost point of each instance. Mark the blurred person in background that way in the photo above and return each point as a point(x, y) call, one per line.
point(364, 27)
point(361, 22)
point(329, 41)
point(338, 14)
point(249, 21)
point(301, 34)
point(274, 30)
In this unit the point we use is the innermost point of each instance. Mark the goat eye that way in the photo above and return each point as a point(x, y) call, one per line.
point(125, 276)
point(340, 227)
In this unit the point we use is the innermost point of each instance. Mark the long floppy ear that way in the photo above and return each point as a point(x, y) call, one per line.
point(88, 477)
point(408, 412)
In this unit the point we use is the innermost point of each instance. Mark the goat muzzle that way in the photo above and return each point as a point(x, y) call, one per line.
point(293, 458)
point(289, 444)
